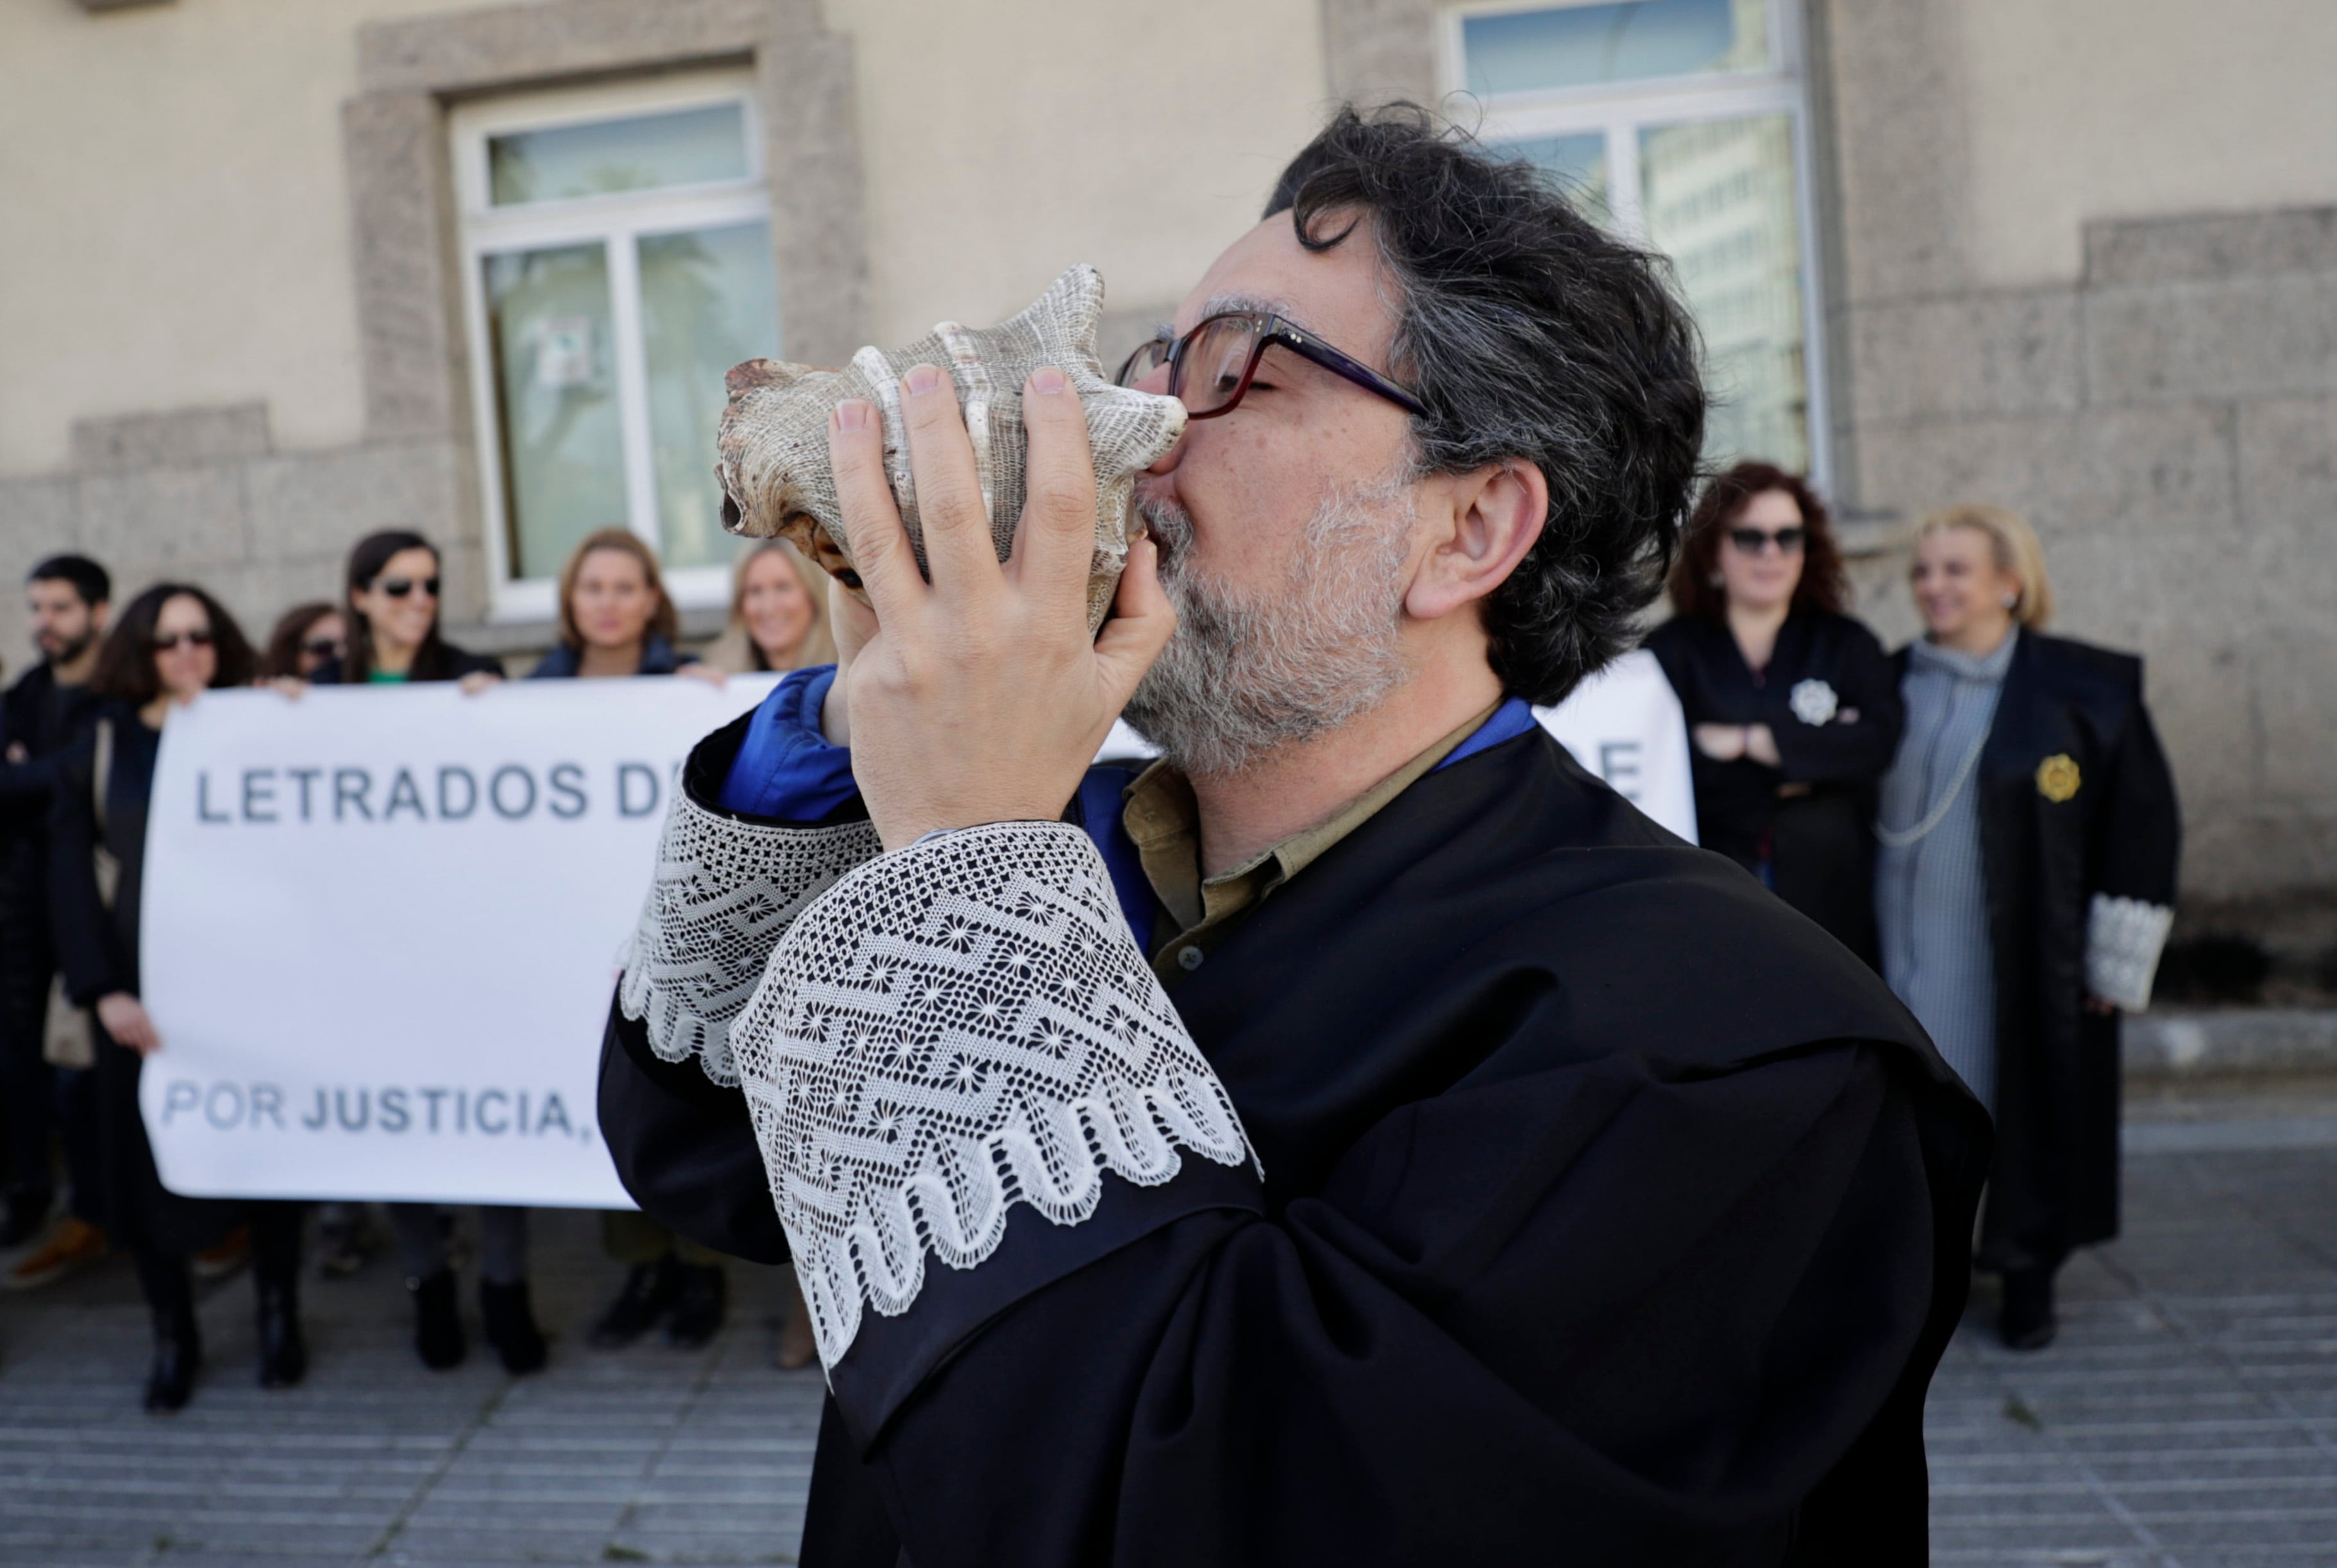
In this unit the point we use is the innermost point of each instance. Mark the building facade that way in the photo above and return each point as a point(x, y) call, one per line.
point(279, 274)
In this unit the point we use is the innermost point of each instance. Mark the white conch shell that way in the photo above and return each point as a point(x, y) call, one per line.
point(773, 442)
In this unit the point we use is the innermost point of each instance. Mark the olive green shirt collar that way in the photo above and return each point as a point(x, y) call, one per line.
point(1163, 820)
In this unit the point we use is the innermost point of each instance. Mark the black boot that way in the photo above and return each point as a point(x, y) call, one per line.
point(2027, 1321)
point(178, 1354)
point(283, 1352)
point(437, 1329)
point(646, 1296)
point(511, 1325)
point(700, 1294)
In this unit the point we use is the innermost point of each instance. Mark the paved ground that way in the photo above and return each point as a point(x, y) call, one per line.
point(2187, 1417)
point(2189, 1414)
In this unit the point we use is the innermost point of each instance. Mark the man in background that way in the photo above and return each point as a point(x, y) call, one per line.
point(67, 599)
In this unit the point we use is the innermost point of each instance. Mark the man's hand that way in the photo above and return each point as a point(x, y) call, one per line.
point(979, 697)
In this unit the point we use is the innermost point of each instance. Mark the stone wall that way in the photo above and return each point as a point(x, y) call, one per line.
point(2168, 420)
point(201, 494)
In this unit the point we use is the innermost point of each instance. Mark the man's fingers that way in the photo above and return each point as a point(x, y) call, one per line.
point(872, 523)
point(1142, 620)
point(958, 549)
point(1056, 538)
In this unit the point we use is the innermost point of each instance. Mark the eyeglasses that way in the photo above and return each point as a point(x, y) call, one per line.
point(168, 640)
point(1211, 367)
point(323, 648)
point(1752, 541)
point(399, 587)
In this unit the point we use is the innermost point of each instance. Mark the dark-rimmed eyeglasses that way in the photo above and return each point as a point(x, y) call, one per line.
point(1211, 367)
point(324, 648)
point(1753, 541)
point(399, 587)
point(167, 641)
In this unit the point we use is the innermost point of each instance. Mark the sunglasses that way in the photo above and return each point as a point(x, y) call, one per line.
point(1752, 541)
point(399, 587)
point(322, 647)
point(1211, 367)
point(163, 644)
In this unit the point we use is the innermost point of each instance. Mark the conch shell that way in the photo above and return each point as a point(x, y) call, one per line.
point(773, 441)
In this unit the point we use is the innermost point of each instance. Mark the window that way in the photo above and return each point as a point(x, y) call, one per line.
point(617, 255)
point(1681, 124)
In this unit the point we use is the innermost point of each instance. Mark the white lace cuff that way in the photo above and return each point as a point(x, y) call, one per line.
point(2123, 938)
point(953, 1028)
point(724, 893)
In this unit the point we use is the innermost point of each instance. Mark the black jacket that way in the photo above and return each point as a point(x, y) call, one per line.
point(659, 657)
point(1609, 1211)
point(2047, 849)
point(1807, 819)
point(97, 947)
point(452, 664)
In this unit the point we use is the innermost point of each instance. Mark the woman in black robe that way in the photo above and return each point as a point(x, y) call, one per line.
point(1792, 705)
point(2026, 883)
point(172, 643)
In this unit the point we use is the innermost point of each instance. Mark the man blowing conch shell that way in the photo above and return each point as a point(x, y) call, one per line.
point(1360, 1137)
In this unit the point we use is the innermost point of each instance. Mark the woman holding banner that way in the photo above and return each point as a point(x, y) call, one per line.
point(172, 644)
point(393, 639)
point(617, 620)
point(778, 614)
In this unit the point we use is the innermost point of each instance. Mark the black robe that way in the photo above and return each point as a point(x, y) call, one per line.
point(1608, 1206)
point(1808, 819)
point(2055, 1182)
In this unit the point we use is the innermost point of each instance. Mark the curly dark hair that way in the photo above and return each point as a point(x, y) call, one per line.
point(126, 664)
point(1531, 335)
point(1824, 586)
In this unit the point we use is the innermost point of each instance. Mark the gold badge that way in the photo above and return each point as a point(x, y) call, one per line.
point(2056, 777)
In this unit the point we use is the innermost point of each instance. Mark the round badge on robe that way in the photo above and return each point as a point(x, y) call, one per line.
point(2056, 777)
point(1813, 702)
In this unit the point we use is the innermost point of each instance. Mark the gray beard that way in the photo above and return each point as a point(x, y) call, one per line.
point(1242, 676)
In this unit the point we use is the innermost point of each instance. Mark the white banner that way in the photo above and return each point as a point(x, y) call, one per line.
point(381, 925)
point(1625, 724)
point(380, 932)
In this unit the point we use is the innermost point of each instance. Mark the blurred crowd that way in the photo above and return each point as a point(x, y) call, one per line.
point(80, 731)
point(1985, 817)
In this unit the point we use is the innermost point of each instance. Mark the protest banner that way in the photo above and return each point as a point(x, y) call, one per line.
point(381, 929)
point(1625, 724)
point(381, 926)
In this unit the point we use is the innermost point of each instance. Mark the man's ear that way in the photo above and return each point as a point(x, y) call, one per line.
point(1488, 520)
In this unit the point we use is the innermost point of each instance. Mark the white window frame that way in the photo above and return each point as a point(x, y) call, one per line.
point(618, 221)
point(1619, 109)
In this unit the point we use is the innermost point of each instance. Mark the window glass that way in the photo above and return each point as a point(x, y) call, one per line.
point(1718, 198)
point(1587, 46)
point(1579, 162)
point(556, 390)
point(706, 303)
point(643, 152)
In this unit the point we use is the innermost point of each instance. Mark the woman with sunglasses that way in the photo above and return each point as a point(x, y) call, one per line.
point(1791, 703)
point(171, 644)
point(307, 638)
point(393, 619)
point(393, 639)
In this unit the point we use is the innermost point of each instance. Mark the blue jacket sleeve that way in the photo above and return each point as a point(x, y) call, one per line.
point(785, 771)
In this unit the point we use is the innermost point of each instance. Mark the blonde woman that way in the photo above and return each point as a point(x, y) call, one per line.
point(2025, 882)
point(778, 613)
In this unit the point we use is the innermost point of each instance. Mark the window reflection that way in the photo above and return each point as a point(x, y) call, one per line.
point(1718, 198)
point(1587, 46)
